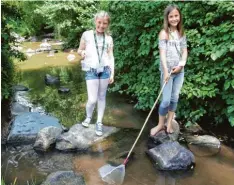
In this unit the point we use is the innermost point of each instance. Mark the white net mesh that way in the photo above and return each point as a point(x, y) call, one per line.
point(112, 174)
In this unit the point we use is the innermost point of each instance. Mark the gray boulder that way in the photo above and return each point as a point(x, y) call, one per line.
point(20, 88)
point(51, 80)
point(171, 156)
point(32, 39)
point(80, 138)
point(26, 126)
point(163, 137)
point(46, 137)
point(193, 129)
point(63, 90)
point(64, 178)
point(23, 100)
point(204, 140)
point(18, 109)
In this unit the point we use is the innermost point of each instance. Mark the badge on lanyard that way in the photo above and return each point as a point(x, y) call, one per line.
point(99, 69)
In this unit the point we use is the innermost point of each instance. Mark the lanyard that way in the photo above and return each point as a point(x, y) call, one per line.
point(95, 38)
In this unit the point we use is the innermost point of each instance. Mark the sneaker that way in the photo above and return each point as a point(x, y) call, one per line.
point(99, 129)
point(86, 122)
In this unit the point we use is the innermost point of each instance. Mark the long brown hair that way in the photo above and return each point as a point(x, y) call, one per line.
point(168, 10)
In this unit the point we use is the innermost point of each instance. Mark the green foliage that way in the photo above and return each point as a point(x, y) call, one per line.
point(209, 73)
point(9, 13)
point(31, 23)
point(68, 18)
point(59, 105)
point(27, 22)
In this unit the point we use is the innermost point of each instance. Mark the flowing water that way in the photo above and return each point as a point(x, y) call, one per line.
point(213, 167)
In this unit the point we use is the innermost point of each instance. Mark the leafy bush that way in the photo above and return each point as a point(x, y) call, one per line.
point(9, 13)
point(68, 18)
point(209, 73)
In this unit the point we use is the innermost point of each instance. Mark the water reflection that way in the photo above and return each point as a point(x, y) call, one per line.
point(212, 167)
point(165, 180)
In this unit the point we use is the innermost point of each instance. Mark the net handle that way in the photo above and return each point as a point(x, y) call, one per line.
point(156, 101)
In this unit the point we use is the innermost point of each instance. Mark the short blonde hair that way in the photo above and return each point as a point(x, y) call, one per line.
point(102, 14)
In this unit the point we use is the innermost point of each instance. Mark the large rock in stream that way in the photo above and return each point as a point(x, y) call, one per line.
point(64, 178)
point(23, 102)
point(46, 137)
point(18, 109)
point(25, 127)
point(20, 88)
point(51, 80)
point(163, 137)
point(80, 138)
point(205, 140)
point(171, 156)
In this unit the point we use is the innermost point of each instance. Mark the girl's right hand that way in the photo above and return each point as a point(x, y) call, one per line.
point(111, 80)
point(83, 54)
point(166, 76)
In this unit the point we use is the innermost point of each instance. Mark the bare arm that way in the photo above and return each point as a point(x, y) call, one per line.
point(163, 36)
point(81, 49)
point(183, 57)
point(112, 62)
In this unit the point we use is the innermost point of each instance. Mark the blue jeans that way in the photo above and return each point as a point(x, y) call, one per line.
point(92, 74)
point(170, 94)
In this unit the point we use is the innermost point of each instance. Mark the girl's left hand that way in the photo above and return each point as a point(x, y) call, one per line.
point(111, 80)
point(176, 69)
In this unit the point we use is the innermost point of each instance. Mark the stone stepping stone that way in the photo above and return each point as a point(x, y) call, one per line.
point(25, 127)
point(171, 156)
point(20, 88)
point(81, 138)
point(64, 177)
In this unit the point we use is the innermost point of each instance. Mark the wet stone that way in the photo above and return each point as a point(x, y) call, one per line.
point(205, 140)
point(80, 138)
point(28, 124)
point(171, 156)
point(18, 109)
point(46, 137)
point(64, 177)
point(194, 129)
point(51, 80)
point(20, 88)
point(63, 90)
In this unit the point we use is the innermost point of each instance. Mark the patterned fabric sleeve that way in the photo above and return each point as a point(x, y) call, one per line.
point(162, 44)
point(183, 43)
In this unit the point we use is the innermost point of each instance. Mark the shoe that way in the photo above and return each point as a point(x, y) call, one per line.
point(86, 122)
point(98, 130)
